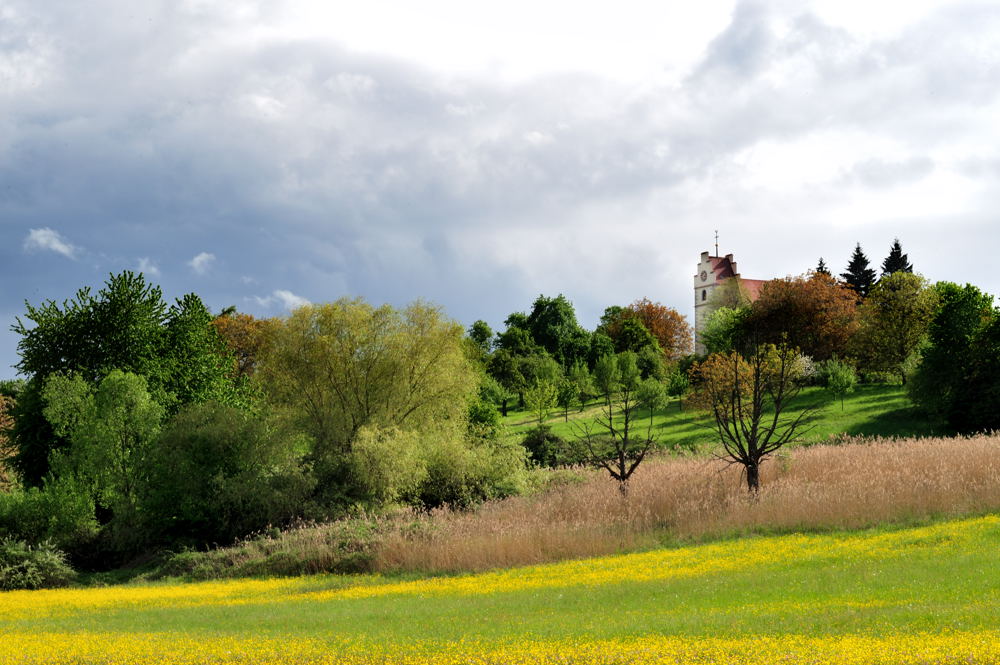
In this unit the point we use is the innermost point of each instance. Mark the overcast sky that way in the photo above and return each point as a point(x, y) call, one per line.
point(265, 154)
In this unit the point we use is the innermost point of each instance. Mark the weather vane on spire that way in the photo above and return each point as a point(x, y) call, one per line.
point(716, 242)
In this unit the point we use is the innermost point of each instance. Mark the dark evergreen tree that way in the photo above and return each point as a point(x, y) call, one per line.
point(859, 276)
point(821, 269)
point(896, 261)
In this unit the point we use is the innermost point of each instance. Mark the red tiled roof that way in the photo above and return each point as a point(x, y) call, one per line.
point(752, 287)
point(722, 266)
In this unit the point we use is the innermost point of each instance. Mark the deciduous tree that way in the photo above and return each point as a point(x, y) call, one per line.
point(342, 366)
point(894, 321)
point(112, 428)
point(6, 449)
point(481, 333)
point(667, 326)
point(748, 398)
point(541, 399)
point(553, 326)
point(612, 441)
point(244, 336)
point(724, 329)
point(941, 375)
point(127, 326)
point(815, 313)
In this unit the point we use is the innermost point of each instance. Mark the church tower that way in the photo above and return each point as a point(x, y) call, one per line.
point(711, 273)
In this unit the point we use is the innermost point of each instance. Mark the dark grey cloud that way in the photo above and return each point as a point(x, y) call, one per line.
point(148, 138)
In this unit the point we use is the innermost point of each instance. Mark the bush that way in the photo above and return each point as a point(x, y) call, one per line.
point(23, 566)
point(387, 465)
point(218, 473)
point(485, 465)
point(483, 412)
point(544, 447)
point(60, 511)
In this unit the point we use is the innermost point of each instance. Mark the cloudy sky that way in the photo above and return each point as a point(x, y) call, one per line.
point(268, 153)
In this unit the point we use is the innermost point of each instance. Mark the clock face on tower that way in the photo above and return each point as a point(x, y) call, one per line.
point(704, 275)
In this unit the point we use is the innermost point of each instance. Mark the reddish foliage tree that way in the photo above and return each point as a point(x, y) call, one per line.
point(666, 324)
point(244, 336)
point(815, 313)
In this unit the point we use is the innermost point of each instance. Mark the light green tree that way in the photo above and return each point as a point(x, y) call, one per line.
point(541, 399)
point(583, 383)
point(652, 395)
point(111, 429)
point(612, 441)
point(840, 378)
point(894, 321)
point(339, 367)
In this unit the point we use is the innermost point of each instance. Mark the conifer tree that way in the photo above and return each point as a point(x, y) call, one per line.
point(896, 261)
point(821, 269)
point(859, 276)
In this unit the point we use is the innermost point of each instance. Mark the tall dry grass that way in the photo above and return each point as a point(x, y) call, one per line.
point(856, 484)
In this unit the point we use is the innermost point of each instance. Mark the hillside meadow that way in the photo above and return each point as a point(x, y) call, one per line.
point(914, 595)
point(871, 410)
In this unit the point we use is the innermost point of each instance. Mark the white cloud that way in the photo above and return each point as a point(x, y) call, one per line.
point(149, 268)
point(201, 263)
point(46, 239)
point(285, 298)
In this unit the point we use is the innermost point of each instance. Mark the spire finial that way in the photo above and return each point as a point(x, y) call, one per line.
point(716, 242)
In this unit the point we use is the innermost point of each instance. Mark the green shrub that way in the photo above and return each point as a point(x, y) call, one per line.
point(61, 511)
point(24, 566)
point(463, 472)
point(544, 447)
point(387, 464)
point(218, 473)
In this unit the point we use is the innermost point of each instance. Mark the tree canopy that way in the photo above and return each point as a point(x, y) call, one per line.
point(940, 384)
point(894, 320)
point(345, 365)
point(126, 326)
point(553, 326)
point(814, 313)
point(667, 326)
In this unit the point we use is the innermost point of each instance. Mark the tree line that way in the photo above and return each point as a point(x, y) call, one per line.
point(143, 425)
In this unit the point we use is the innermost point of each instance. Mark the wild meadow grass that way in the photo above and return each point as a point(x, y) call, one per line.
point(924, 594)
point(674, 501)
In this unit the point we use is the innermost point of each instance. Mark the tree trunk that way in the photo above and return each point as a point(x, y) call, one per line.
point(503, 408)
point(753, 478)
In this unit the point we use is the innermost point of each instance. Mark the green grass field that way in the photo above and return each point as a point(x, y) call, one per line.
point(872, 410)
point(930, 593)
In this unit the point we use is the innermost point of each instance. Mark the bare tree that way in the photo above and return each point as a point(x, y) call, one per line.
point(612, 442)
point(749, 398)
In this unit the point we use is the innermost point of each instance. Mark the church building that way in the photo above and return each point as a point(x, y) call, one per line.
point(714, 272)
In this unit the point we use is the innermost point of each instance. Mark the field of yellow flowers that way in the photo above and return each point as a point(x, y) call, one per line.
point(919, 595)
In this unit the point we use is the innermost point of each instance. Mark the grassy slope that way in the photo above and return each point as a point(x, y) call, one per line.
point(881, 583)
point(874, 410)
